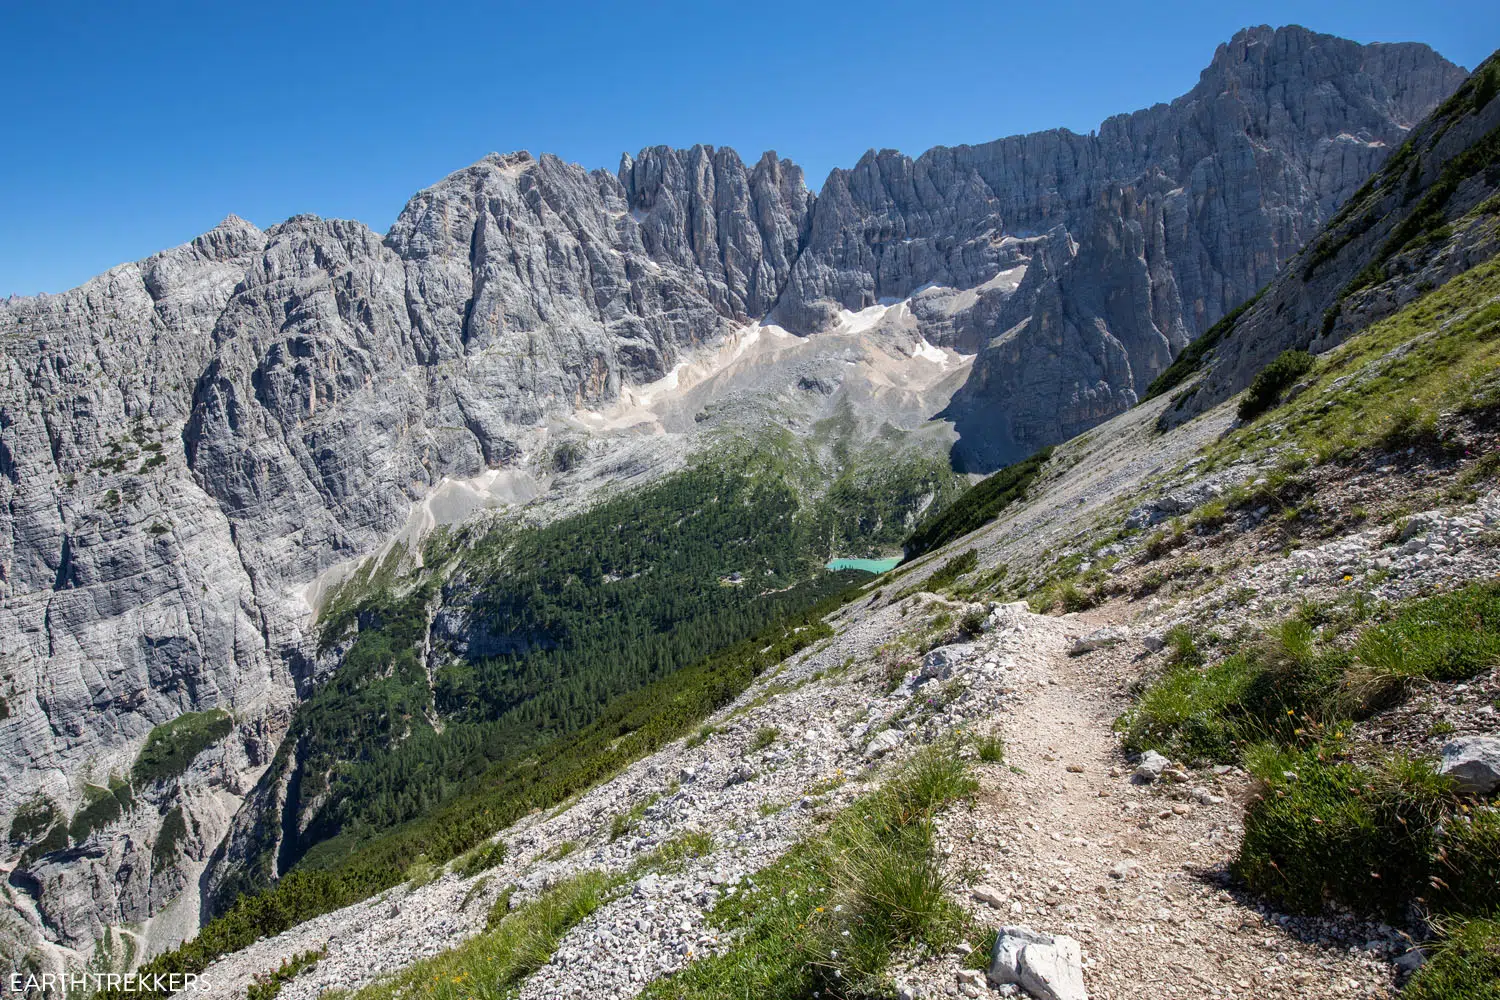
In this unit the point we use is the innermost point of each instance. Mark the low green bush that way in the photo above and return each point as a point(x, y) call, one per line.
point(1290, 688)
point(951, 570)
point(1274, 379)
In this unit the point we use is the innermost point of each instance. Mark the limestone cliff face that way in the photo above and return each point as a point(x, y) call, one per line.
point(188, 441)
point(1426, 216)
point(1216, 191)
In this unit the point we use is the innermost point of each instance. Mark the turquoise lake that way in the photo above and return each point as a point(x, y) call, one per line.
point(868, 565)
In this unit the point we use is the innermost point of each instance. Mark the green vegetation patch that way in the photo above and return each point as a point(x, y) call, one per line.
point(675, 853)
point(1271, 381)
point(172, 746)
point(1451, 637)
point(1281, 687)
point(1428, 220)
point(1386, 387)
point(171, 835)
point(32, 821)
point(828, 917)
point(1374, 837)
point(39, 826)
point(1465, 965)
point(101, 807)
point(976, 508)
point(948, 573)
point(491, 964)
point(1292, 688)
point(1328, 830)
point(267, 985)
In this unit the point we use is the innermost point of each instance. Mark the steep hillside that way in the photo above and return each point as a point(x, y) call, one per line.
point(974, 728)
point(202, 452)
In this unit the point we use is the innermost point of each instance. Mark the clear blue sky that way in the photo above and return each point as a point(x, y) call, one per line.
point(130, 127)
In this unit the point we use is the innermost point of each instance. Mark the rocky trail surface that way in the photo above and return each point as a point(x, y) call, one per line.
point(1070, 841)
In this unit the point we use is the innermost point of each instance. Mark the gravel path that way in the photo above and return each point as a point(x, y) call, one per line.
point(1067, 844)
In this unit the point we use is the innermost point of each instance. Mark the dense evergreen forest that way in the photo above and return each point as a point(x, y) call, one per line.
point(538, 630)
point(631, 727)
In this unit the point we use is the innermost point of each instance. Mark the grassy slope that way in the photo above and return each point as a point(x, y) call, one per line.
point(1388, 386)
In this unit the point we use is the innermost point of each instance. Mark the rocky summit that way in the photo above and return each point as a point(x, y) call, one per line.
point(370, 604)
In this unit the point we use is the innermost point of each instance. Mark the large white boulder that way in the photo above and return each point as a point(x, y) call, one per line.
point(1474, 763)
point(1047, 966)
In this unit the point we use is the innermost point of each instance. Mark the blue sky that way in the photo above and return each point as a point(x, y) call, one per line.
point(128, 128)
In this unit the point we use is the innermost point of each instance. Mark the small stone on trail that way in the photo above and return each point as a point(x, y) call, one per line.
point(1103, 638)
point(988, 894)
point(1151, 766)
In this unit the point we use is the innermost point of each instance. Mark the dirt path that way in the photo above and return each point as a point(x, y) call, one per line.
point(1136, 873)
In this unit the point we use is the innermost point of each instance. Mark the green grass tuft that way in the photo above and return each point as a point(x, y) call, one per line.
point(677, 852)
point(990, 748)
point(1465, 966)
point(763, 738)
point(485, 856)
point(1452, 637)
point(1279, 687)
